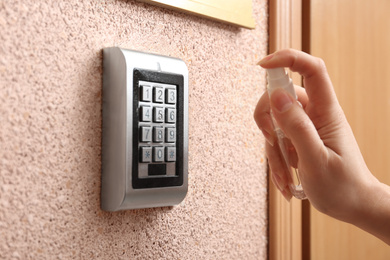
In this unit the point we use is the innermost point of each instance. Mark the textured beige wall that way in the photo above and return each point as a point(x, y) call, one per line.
point(50, 116)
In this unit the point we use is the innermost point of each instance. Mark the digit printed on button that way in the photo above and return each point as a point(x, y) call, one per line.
point(146, 134)
point(170, 135)
point(158, 114)
point(158, 134)
point(170, 115)
point(158, 154)
point(146, 93)
point(158, 94)
point(171, 96)
point(146, 113)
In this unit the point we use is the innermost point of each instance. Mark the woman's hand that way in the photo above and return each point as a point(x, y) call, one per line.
point(331, 168)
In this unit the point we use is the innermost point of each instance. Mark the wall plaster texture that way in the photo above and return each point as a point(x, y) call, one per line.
point(50, 134)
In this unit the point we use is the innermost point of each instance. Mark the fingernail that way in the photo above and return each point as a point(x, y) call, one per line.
point(281, 100)
point(270, 138)
point(287, 194)
point(265, 59)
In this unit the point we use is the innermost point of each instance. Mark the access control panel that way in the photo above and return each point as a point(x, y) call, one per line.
point(145, 130)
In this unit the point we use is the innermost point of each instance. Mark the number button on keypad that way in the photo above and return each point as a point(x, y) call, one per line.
point(170, 115)
point(146, 154)
point(158, 134)
point(170, 154)
point(171, 96)
point(158, 154)
point(170, 135)
point(158, 94)
point(146, 93)
point(158, 114)
point(146, 134)
point(146, 113)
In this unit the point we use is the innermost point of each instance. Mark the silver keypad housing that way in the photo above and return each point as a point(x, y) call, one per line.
point(132, 139)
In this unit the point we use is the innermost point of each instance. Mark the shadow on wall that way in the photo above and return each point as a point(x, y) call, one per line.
point(130, 230)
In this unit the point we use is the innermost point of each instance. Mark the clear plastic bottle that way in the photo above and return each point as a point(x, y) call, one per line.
point(278, 78)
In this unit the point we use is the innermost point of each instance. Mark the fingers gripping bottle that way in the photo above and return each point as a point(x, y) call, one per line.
point(278, 78)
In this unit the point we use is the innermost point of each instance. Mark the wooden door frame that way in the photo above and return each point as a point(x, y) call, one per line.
point(285, 218)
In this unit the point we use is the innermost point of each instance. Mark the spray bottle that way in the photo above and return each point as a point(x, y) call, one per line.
point(278, 78)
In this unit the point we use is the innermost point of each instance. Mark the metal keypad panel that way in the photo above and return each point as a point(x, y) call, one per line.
point(157, 127)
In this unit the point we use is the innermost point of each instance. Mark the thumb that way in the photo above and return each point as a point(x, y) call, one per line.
point(296, 124)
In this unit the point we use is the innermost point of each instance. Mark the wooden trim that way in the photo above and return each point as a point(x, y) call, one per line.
point(306, 234)
point(230, 11)
point(285, 219)
point(306, 25)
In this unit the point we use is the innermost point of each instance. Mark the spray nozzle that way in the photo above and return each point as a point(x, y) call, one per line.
point(276, 73)
point(278, 78)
